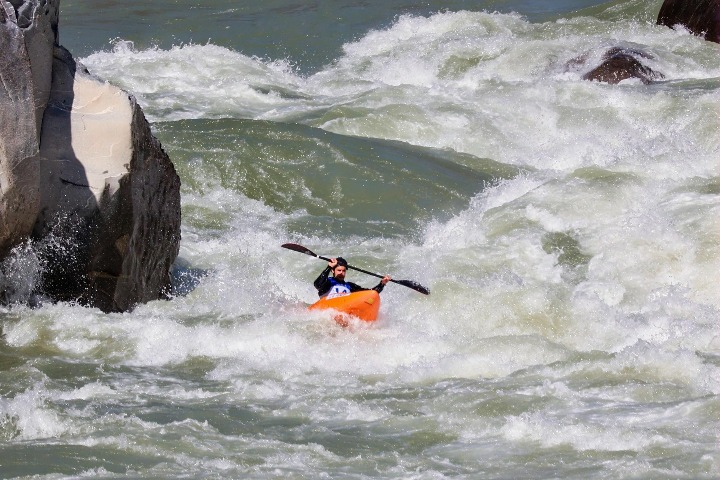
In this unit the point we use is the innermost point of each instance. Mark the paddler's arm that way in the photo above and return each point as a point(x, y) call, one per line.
point(322, 283)
point(379, 287)
point(354, 287)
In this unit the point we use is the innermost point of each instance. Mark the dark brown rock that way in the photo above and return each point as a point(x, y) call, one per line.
point(621, 64)
point(701, 17)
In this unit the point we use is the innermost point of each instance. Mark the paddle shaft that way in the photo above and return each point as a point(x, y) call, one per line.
point(406, 283)
point(355, 268)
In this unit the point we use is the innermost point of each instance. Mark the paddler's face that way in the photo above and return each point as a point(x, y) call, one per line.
point(339, 272)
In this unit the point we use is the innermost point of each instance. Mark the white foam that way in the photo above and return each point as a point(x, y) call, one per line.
point(28, 416)
point(549, 432)
point(193, 81)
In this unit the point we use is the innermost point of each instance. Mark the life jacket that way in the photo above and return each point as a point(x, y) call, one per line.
point(338, 288)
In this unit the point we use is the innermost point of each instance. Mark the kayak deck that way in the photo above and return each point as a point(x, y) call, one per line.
point(364, 305)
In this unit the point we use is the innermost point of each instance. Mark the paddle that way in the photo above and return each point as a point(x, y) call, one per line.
point(407, 283)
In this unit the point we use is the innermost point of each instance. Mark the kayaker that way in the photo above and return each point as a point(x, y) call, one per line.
point(336, 285)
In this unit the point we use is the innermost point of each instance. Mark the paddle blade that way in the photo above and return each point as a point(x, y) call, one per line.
point(414, 285)
point(298, 248)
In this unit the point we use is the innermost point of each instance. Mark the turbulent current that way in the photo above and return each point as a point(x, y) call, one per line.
point(569, 232)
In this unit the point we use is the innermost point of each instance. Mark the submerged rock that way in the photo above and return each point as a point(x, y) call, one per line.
point(97, 192)
point(701, 17)
point(621, 64)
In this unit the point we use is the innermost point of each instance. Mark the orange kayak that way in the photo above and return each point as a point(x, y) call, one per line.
point(364, 305)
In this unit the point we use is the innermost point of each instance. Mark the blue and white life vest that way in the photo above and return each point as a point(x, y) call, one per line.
point(338, 289)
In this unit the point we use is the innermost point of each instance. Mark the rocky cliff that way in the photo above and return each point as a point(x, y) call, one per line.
point(80, 166)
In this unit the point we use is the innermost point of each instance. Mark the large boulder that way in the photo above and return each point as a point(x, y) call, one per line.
point(28, 34)
point(80, 171)
point(110, 198)
point(702, 17)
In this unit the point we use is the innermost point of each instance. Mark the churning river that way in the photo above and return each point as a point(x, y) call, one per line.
point(569, 232)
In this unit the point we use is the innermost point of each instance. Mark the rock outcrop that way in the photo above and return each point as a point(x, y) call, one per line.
point(28, 33)
point(621, 64)
point(92, 185)
point(701, 17)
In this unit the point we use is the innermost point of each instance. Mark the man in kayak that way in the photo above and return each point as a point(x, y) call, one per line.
point(336, 285)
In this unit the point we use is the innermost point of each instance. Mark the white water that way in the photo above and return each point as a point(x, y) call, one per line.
point(572, 329)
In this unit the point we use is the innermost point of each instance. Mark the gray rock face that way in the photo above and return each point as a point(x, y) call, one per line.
point(150, 242)
point(702, 17)
point(85, 176)
point(28, 33)
point(110, 197)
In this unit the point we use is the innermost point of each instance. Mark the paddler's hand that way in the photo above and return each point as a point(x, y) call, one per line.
point(386, 279)
point(332, 263)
